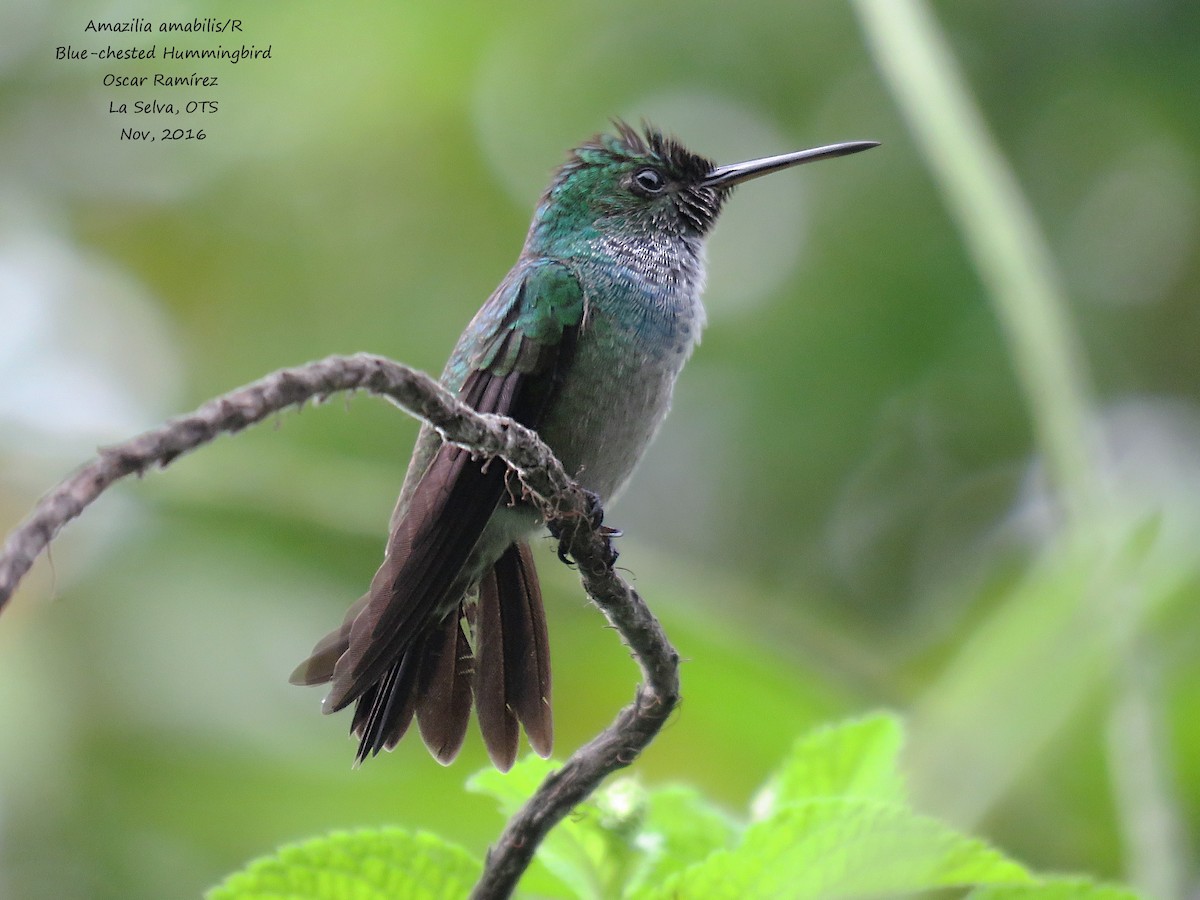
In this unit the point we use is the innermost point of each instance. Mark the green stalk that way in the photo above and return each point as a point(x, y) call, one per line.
point(999, 230)
point(1016, 266)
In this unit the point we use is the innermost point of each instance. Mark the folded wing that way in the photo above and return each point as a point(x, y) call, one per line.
point(415, 644)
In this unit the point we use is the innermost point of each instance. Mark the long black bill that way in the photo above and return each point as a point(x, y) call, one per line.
point(736, 173)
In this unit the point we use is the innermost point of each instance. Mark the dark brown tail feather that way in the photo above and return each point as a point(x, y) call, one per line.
point(512, 651)
point(444, 690)
point(383, 714)
point(435, 677)
point(513, 659)
point(497, 723)
point(526, 646)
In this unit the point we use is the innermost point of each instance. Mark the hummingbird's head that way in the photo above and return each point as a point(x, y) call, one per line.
point(630, 180)
point(645, 182)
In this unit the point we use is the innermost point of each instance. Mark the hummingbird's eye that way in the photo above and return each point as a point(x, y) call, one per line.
point(649, 181)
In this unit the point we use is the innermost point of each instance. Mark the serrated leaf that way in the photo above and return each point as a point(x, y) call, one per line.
point(830, 848)
point(680, 828)
point(383, 864)
point(852, 759)
point(1054, 889)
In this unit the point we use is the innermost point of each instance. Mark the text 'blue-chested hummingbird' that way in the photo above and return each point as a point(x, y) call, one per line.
point(582, 341)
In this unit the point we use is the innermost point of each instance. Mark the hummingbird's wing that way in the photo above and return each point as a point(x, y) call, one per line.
point(402, 648)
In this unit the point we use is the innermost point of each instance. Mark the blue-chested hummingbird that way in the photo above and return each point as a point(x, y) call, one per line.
point(582, 342)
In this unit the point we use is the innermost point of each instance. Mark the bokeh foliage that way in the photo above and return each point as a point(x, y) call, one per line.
point(849, 506)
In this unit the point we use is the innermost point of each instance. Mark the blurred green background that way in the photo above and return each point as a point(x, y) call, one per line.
point(849, 507)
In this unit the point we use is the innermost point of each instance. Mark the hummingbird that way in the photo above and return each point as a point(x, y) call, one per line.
point(582, 342)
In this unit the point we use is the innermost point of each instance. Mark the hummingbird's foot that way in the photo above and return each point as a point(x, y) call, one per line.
point(595, 517)
point(563, 556)
point(595, 509)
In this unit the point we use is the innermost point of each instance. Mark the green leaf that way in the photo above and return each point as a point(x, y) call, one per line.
point(1054, 889)
point(680, 828)
point(361, 865)
point(852, 759)
point(830, 848)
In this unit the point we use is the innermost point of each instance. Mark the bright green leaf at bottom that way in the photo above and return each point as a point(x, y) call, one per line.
point(832, 823)
point(1054, 889)
point(859, 758)
point(384, 864)
point(831, 848)
point(680, 828)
